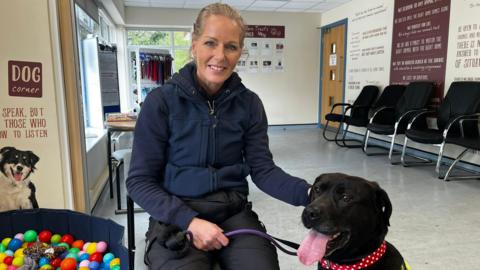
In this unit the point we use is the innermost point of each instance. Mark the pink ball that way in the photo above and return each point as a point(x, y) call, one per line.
point(84, 263)
point(19, 236)
point(11, 267)
point(85, 246)
point(101, 247)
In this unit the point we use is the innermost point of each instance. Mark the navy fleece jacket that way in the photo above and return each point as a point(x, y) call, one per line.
point(187, 146)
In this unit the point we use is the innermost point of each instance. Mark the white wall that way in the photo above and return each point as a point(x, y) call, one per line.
point(289, 97)
point(462, 13)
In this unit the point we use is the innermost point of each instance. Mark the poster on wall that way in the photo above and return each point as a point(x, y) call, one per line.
point(264, 45)
point(369, 32)
point(419, 43)
point(464, 49)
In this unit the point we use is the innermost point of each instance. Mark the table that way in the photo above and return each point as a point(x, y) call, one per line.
point(116, 126)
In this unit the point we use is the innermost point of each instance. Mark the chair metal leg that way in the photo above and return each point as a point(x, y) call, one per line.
point(109, 158)
point(117, 182)
point(131, 233)
point(422, 162)
point(439, 159)
point(324, 132)
point(448, 175)
point(343, 140)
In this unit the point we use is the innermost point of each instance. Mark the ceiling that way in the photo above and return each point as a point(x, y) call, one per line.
point(250, 5)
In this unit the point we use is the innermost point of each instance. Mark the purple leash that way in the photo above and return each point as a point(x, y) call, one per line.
point(275, 241)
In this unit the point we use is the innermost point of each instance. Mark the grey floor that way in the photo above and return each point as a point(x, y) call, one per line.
point(435, 224)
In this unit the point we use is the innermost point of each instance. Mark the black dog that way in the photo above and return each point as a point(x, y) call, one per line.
point(350, 218)
point(16, 189)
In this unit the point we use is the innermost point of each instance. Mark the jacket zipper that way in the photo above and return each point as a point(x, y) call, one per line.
point(211, 111)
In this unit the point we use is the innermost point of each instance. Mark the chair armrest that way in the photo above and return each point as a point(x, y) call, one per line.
point(417, 114)
point(380, 110)
point(461, 119)
point(348, 105)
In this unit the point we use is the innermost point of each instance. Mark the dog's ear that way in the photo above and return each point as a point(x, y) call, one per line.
point(6, 149)
point(33, 158)
point(383, 203)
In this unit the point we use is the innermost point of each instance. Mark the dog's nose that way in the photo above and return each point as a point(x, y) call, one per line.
point(19, 168)
point(312, 212)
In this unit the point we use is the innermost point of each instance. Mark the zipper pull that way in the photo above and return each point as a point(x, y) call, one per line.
point(211, 107)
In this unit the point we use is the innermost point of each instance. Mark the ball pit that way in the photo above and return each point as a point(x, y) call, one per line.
point(55, 251)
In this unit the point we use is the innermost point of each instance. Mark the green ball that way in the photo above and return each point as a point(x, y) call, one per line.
point(2, 248)
point(64, 245)
point(6, 241)
point(115, 267)
point(30, 236)
point(74, 250)
point(72, 255)
point(55, 238)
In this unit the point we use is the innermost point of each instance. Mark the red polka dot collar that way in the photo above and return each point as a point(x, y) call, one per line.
point(364, 263)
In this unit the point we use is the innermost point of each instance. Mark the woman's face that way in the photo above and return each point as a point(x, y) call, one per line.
point(216, 51)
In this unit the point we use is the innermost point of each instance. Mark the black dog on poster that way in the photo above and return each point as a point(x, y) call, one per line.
point(349, 217)
point(16, 189)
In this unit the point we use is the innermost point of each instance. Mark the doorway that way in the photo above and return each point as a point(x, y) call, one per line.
point(332, 67)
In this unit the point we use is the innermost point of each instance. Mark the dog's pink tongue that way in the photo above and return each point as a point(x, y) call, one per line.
point(312, 249)
point(18, 176)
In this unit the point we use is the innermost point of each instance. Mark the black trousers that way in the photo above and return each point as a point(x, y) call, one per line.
point(229, 210)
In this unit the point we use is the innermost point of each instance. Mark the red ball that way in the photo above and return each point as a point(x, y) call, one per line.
point(55, 263)
point(78, 244)
point(8, 260)
point(45, 236)
point(67, 238)
point(97, 256)
point(68, 264)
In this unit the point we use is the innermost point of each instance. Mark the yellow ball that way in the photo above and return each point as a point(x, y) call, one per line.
point(46, 266)
point(6, 241)
point(19, 253)
point(84, 268)
point(18, 261)
point(25, 245)
point(2, 256)
point(114, 262)
point(92, 248)
point(3, 266)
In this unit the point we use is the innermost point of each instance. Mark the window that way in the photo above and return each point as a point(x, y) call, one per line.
point(176, 41)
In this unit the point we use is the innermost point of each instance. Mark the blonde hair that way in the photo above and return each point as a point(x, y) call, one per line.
point(218, 9)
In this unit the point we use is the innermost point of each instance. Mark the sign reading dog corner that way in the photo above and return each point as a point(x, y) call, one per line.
point(24, 79)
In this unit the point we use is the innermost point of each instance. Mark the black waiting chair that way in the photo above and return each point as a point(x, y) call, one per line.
point(471, 144)
point(358, 115)
point(393, 120)
point(461, 102)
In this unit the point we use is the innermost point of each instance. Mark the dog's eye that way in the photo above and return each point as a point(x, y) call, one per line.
point(346, 198)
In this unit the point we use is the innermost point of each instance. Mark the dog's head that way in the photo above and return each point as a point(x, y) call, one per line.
point(17, 165)
point(349, 216)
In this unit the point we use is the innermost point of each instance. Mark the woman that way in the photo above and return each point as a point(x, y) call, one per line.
point(197, 138)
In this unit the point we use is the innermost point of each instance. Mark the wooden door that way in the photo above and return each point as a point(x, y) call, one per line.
point(333, 59)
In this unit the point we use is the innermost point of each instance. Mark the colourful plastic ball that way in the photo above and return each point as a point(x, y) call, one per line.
point(45, 236)
point(8, 260)
point(9, 252)
point(30, 236)
point(3, 266)
point(19, 236)
point(64, 245)
point(67, 238)
point(83, 268)
point(18, 261)
point(114, 262)
point(6, 241)
point(2, 248)
point(94, 265)
point(107, 258)
point(72, 255)
point(115, 267)
point(19, 253)
point(84, 263)
point(46, 267)
point(74, 250)
point(55, 238)
point(92, 248)
point(102, 246)
point(14, 244)
point(78, 244)
point(43, 261)
point(11, 267)
point(2, 256)
point(68, 264)
point(84, 256)
point(25, 244)
point(97, 256)
point(56, 262)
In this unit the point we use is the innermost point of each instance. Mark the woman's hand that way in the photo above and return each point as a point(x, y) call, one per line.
point(206, 235)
